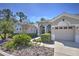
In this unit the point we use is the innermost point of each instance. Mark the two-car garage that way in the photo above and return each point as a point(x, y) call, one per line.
point(63, 33)
point(64, 30)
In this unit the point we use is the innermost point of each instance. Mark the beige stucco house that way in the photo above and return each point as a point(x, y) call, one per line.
point(63, 27)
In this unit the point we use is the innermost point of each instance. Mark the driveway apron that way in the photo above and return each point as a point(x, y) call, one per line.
point(66, 48)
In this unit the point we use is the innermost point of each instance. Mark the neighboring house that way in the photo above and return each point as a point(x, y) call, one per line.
point(29, 28)
point(23, 27)
point(63, 27)
point(18, 27)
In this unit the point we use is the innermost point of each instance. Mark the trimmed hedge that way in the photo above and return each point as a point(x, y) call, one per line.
point(46, 37)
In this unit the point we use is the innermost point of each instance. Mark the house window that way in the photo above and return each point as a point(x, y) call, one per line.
point(77, 27)
point(20, 28)
point(65, 27)
point(53, 27)
point(63, 19)
point(70, 27)
point(56, 27)
point(60, 27)
point(17, 29)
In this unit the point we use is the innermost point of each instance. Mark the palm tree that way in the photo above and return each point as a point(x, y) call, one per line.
point(43, 19)
point(7, 13)
point(21, 16)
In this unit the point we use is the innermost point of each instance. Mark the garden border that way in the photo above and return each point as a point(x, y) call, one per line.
point(5, 54)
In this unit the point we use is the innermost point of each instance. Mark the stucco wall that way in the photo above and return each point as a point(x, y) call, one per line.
point(31, 30)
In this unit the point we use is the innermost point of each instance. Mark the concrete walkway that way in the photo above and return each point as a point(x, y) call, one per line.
point(42, 44)
point(47, 45)
point(66, 48)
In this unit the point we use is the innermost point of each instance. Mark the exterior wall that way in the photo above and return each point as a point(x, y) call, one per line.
point(71, 20)
point(31, 30)
point(52, 33)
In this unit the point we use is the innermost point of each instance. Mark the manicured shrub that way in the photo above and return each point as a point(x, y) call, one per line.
point(21, 39)
point(45, 37)
point(32, 35)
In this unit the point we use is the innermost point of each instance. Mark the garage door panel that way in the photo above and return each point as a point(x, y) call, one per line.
point(64, 34)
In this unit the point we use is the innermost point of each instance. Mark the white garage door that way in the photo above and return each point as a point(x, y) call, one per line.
point(64, 34)
point(77, 36)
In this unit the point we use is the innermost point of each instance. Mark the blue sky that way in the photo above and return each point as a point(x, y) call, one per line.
point(35, 11)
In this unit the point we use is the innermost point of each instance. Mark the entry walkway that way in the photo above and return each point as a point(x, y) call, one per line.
point(66, 48)
point(42, 44)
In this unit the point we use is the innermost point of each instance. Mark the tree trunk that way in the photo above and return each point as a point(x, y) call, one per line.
point(20, 19)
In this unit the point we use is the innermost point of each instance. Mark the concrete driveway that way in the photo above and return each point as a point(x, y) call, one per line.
point(66, 48)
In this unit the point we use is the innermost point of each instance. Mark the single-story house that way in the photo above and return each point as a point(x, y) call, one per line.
point(63, 27)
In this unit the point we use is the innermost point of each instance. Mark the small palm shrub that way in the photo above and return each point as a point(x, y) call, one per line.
point(46, 37)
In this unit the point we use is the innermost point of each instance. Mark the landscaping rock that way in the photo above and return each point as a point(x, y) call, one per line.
point(33, 51)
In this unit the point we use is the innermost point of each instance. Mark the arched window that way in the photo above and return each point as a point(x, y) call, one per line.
point(42, 29)
point(49, 28)
point(63, 19)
